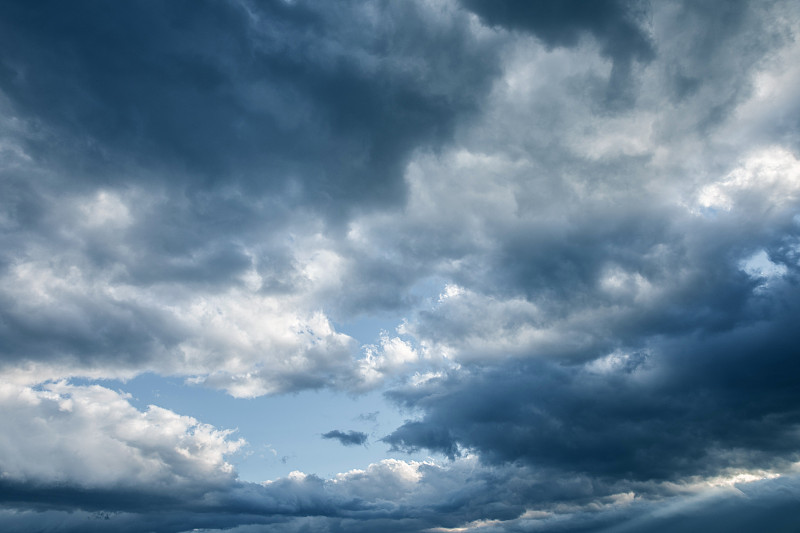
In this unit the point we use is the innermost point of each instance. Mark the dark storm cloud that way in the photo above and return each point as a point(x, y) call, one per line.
point(766, 504)
point(43, 497)
point(347, 438)
point(571, 237)
point(310, 504)
point(225, 129)
point(587, 284)
point(617, 25)
point(268, 96)
point(360, 501)
point(697, 378)
point(693, 404)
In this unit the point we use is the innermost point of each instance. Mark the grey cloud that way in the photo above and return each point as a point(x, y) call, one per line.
point(576, 210)
point(255, 95)
point(220, 133)
point(617, 25)
point(719, 43)
point(95, 329)
point(193, 190)
point(566, 361)
point(372, 416)
point(750, 507)
point(382, 498)
point(175, 478)
point(347, 438)
point(697, 405)
point(572, 216)
point(194, 234)
point(445, 498)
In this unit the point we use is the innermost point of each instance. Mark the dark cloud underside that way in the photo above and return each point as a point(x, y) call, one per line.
point(695, 405)
point(616, 24)
point(219, 93)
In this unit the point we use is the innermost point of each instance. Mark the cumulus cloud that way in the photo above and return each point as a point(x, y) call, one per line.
point(93, 438)
point(259, 120)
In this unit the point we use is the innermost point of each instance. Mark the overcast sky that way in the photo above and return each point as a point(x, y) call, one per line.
point(400, 266)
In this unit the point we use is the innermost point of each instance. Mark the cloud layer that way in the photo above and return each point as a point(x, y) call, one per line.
point(583, 220)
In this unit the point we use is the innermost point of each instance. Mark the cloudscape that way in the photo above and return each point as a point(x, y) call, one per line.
point(400, 266)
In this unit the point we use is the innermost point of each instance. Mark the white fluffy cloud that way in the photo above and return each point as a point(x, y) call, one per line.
point(93, 438)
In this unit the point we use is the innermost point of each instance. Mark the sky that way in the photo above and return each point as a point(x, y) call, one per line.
point(403, 266)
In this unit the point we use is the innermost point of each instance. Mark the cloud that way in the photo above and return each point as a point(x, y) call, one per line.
point(93, 439)
point(142, 140)
point(347, 438)
point(599, 318)
point(617, 26)
point(264, 96)
point(162, 269)
point(583, 220)
point(372, 416)
point(670, 405)
point(78, 324)
point(417, 496)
